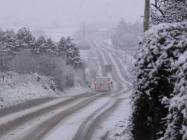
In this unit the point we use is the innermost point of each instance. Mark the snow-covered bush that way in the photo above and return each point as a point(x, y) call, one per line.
point(16, 88)
point(177, 117)
point(155, 79)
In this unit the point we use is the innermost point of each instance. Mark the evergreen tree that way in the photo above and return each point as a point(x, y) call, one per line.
point(68, 48)
point(25, 38)
point(51, 47)
point(10, 41)
point(40, 45)
point(62, 45)
point(8, 47)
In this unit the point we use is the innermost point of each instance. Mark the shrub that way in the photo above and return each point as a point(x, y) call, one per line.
point(155, 79)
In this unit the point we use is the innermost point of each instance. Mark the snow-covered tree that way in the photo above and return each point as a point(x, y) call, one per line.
point(168, 11)
point(40, 45)
point(25, 38)
point(10, 41)
point(156, 79)
point(51, 47)
point(177, 117)
point(62, 47)
point(71, 52)
point(8, 47)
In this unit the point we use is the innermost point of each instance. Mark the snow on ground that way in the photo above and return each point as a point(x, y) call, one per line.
point(23, 130)
point(68, 127)
point(116, 126)
point(109, 74)
point(84, 54)
point(127, 61)
point(16, 88)
point(124, 56)
point(117, 69)
point(99, 68)
point(18, 114)
point(113, 128)
point(76, 91)
point(108, 42)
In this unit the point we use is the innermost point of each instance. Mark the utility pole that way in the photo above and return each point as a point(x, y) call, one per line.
point(146, 15)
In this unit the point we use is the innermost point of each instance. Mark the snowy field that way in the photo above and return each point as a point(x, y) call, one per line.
point(16, 89)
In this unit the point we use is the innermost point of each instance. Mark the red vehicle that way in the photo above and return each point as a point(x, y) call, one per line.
point(102, 84)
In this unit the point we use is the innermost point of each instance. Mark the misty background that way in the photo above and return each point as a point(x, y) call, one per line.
point(64, 17)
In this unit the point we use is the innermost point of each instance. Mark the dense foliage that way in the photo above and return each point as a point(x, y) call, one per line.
point(160, 87)
point(160, 108)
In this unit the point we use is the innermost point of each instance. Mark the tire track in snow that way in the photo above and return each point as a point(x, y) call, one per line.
point(102, 58)
point(43, 127)
point(24, 106)
point(86, 130)
point(14, 120)
point(114, 53)
point(111, 61)
point(68, 127)
point(119, 86)
point(116, 70)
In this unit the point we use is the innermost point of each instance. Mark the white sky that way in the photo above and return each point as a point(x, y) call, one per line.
point(68, 13)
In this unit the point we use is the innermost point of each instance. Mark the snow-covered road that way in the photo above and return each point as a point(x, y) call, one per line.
point(82, 117)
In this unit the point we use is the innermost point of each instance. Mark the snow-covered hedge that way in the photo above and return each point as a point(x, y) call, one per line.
point(16, 88)
point(177, 117)
point(158, 80)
